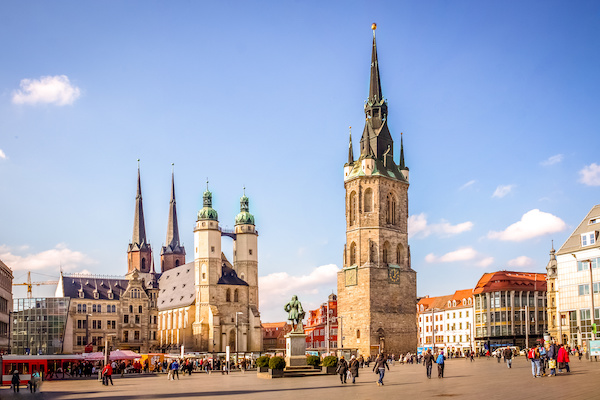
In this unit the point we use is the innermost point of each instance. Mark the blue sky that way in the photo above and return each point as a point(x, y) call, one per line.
point(498, 102)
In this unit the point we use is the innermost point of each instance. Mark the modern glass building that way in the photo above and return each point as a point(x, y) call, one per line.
point(38, 325)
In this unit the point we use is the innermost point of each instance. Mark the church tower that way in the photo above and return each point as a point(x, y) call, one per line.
point(377, 293)
point(207, 265)
point(172, 254)
point(139, 253)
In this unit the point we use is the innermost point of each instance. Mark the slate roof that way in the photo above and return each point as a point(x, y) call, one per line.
point(70, 285)
point(573, 243)
point(510, 280)
point(177, 287)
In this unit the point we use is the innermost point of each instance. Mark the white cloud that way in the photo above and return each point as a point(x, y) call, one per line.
point(533, 223)
point(552, 160)
point(419, 227)
point(464, 254)
point(503, 190)
point(485, 262)
point(50, 260)
point(278, 288)
point(2, 155)
point(466, 185)
point(522, 261)
point(48, 89)
point(590, 175)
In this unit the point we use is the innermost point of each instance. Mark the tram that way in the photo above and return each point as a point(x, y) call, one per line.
point(46, 365)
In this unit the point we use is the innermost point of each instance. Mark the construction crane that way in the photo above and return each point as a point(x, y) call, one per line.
point(30, 284)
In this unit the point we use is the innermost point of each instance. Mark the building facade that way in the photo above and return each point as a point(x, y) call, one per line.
point(510, 309)
point(6, 306)
point(210, 304)
point(578, 282)
point(39, 325)
point(376, 286)
point(448, 319)
point(317, 324)
point(274, 335)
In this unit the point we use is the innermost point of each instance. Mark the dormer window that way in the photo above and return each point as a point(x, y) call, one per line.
point(110, 295)
point(588, 239)
point(96, 294)
point(81, 294)
point(594, 220)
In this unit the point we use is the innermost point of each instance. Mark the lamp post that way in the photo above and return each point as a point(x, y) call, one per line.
point(106, 346)
point(237, 336)
point(341, 332)
point(327, 332)
point(87, 328)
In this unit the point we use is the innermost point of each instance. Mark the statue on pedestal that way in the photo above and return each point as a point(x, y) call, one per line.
point(295, 314)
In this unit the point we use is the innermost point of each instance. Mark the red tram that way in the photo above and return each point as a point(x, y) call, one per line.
point(46, 365)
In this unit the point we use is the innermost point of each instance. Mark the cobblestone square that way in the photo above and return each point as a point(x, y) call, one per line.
point(482, 378)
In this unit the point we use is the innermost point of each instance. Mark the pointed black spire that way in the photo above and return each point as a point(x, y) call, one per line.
point(375, 95)
point(172, 227)
point(138, 239)
point(350, 150)
point(402, 165)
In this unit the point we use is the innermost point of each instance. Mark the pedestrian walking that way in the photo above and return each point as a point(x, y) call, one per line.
point(342, 368)
point(534, 357)
point(175, 369)
point(440, 363)
point(15, 381)
point(107, 375)
point(508, 357)
point(562, 358)
point(428, 362)
point(354, 365)
point(379, 367)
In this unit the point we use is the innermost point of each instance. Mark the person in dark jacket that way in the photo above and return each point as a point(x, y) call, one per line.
point(508, 356)
point(342, 369)
point(428, 362)
point(16, 381)
point(354, 364)
point(379, 367)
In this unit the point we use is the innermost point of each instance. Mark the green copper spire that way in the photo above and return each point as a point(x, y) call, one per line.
point(244, 217)
point(207, 212)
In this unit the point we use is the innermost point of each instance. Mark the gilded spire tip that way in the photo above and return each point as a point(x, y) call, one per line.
point(373, 26)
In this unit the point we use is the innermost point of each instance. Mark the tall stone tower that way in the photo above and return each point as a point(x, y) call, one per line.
point(245, 263)
point(552, 302)
point(139, 252)
point(207, 264)
point(377, 293)
point(173, 253)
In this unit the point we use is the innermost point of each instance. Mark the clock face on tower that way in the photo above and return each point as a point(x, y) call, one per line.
point(351, 277)
point(393, 275)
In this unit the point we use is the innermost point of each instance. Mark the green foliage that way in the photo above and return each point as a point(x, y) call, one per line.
point(276, 363)
point(315, 361)
point(330, 361)
point(262, 361)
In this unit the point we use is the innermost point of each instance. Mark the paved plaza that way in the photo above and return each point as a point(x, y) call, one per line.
point(481, 379)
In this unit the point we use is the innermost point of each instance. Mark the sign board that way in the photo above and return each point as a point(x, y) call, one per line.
point(182, 350)
point(594, 347)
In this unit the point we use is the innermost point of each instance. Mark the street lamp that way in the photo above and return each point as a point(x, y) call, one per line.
point(341, 332)
point(87, 329)
point(106, 346)
point(237, 336)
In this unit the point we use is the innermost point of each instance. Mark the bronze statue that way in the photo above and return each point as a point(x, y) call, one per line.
point(295, 313)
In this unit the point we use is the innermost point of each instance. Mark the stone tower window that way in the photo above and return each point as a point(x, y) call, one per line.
point(353, 253)
point(358, 333)
point(390, 214)
point(368, 205)
point(399, 254)
point(235, 296)
point(143, 264)
point(352, 208)
point(228, 295)
point(386, 251)
point(177, 263)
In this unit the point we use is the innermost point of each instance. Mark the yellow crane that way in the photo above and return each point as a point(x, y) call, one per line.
point(30, 284)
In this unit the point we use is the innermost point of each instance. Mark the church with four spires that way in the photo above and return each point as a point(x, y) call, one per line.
point(203, 305)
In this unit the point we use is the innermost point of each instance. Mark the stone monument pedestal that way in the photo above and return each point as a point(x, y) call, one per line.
point(295, 349)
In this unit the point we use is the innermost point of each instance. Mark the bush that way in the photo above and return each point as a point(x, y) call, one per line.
point(330, 361)
point(262, 361)
point(315, 361)
point(276, 363)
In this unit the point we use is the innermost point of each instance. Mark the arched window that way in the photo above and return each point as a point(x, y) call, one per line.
point(203, 271)
point(228, 295)
point(358, 333)
point(368, 205)
point(140, 309)
point(131, 309)
point(143, 264)
point(235, 296)
point(390, 209)
point(353, 208)
point(386, 252)
point(177, 263)
point(353, 253)
point(400, 254)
